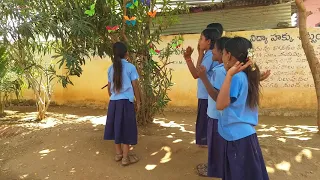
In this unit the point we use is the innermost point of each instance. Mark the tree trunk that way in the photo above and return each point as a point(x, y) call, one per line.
point(41, 111)
point(309, 51)
point(1, 105)
point(42, 104)
point(1, 108)
point(145, 115)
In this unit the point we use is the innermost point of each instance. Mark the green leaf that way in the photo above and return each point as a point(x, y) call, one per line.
point(92, 10)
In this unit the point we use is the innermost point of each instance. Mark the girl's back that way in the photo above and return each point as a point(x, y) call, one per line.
point(129, 74)
point(238, 120)
point(121, 125)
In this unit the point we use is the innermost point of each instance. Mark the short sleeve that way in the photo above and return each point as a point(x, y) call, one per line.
point(207, 62)
point(215, 63)
point(109, 74)
point(219, 77)
point(211, 79)
point(134, 73)
point(235, 86)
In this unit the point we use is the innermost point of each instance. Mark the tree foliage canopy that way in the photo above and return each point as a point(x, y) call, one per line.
point(76, 30)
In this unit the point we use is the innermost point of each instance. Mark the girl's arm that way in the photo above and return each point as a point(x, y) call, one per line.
point(202, 73)
point(200, 58)
point(213, 93)
point(224, 96)
point(191, 67)
point(201, 54)
point(109, 91)
point(265, 75)
point(223, 99)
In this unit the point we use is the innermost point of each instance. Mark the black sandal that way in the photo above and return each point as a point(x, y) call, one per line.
point(202, 170)
point(118, 157)
point(131, 159)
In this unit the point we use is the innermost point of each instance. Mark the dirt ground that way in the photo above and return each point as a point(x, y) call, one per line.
point(69, 145)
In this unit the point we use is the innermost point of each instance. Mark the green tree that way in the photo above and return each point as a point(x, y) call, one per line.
point(25, 48)
point(3, 71)
point(10, 81)
point(38, 73)
point(79, 36)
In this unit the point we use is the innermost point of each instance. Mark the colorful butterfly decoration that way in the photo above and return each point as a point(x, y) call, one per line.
point(153, 51)
point(112, 28)
point(177, 43)
point(152, 14)
point(92, 10)
point(130, 21)
point(133, 4)
point(146, 2)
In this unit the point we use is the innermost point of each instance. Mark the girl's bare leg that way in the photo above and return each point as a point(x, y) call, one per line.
point(118, 149)
point(118, 156)
point(125, 150)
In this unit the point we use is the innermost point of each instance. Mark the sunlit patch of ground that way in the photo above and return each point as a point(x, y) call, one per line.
point(28, 122)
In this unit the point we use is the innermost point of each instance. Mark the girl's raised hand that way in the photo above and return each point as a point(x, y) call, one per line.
point(265, 75)
point(238, 67)
point(202, 72)
point(187, 54)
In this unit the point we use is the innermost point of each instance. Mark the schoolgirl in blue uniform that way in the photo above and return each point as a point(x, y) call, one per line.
point(206, 43)
point(215, 141)
point(121, 123)
point(238, 99)
point(217, 26)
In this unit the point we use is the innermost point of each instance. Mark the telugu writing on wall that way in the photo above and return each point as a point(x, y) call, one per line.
point(278, 50)
point(281, 52)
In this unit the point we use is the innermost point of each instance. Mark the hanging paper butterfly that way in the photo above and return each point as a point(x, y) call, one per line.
point(112, 28)
point(133, 4)
point(92, 10)
point(178, 43)
point(146, 2)
point(152, 14)
point(154, 52)
point(130, 21)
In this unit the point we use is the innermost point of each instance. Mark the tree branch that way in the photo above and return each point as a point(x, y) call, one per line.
point(123, 30)
point(309, 52)
point(306, 45)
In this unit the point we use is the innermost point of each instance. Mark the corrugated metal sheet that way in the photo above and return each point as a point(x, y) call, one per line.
point(206, 5)
point(229, 2)
point(190, 2)
point(294, 8)
point(251, 18)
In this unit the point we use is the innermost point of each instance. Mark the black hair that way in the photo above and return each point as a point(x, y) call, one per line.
point(238, 47)
point(211, 34)
point(119, 52)
point(217, 26)
point(220, 43)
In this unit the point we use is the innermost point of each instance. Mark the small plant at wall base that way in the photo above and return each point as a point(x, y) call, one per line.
point(309, 51)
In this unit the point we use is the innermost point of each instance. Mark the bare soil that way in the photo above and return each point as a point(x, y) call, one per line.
point(69, 145)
